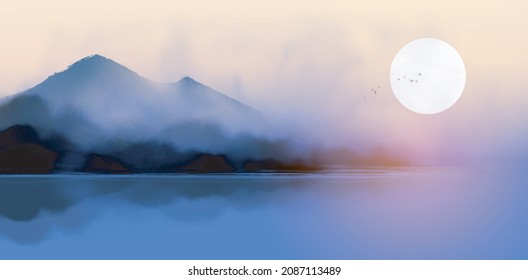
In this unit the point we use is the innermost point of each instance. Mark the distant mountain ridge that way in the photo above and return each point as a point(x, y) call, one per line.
point(102, 81)
point(99, 114)
point(104, 95)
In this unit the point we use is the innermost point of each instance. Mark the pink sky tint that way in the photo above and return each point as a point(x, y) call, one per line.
point(306, 63)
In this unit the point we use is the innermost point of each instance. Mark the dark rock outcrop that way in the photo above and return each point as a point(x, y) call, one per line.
point(27, 158)
point(16, 135)
point(208, 164)
point(21, 152)
point(104, 164)
point(273, 165)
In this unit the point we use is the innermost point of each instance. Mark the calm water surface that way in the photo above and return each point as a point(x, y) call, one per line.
point(362, 214)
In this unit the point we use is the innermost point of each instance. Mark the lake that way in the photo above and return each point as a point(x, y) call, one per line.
point(424, 213)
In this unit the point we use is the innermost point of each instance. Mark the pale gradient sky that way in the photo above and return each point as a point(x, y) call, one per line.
point(320, 57)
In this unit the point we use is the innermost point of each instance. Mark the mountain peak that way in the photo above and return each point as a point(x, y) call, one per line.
point(188, 81)
point(95, 65)
point(94, 56)
point(92, 71)
point(94, 60)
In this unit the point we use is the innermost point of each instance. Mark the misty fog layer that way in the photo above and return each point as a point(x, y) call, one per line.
point(99, 106)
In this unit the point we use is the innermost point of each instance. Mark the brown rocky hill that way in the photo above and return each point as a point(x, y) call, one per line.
point(21, 152)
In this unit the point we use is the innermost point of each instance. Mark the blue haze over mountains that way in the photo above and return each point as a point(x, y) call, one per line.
point(100, 106)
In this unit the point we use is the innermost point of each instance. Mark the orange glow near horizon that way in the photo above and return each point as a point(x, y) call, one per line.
point(320, 56)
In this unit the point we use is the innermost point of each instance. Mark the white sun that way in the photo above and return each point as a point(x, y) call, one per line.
point(427, 76)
